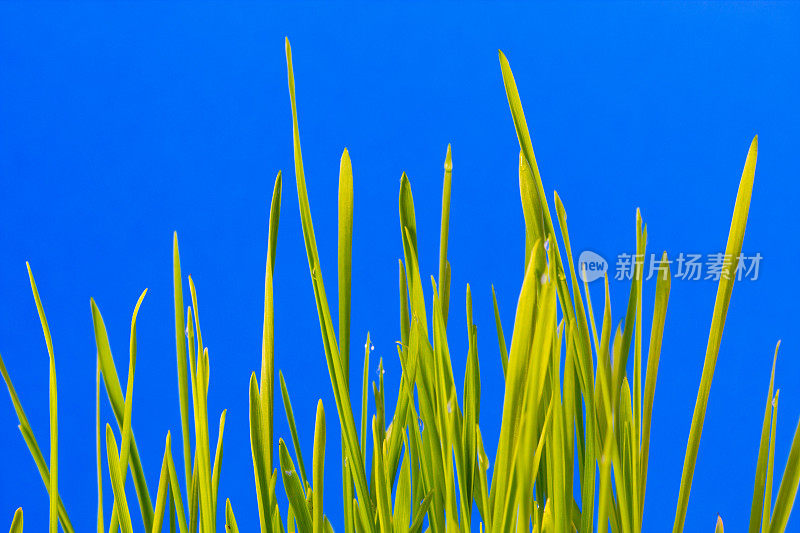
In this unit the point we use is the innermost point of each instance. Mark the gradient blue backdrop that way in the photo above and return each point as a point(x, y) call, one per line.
point(122, 122)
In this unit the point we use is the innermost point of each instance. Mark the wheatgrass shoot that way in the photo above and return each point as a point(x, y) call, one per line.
point(569, 400)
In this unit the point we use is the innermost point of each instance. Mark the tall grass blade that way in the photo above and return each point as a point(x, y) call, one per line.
point(732, 251)
point(16, 522)
point(760, 503)
point(319, 469)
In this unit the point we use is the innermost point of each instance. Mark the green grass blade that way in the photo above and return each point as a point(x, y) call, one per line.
point(262, 477)
point(719, 528)
point(788, 488)
point(345, 249)
point(98, 445)
point(287, 405)
point(230, 519)
point(759, 502)
point(180, 348)
point(53, 484)
point(117, 483)
point(294, 491)
point(217, 462)
point(766, 517)
point(365, 398)
point(162, 493)
point(16, 522)
point(267, 388)
point(115, 397)
point(125, 444)
point(500, 337)
point(175, 491)
point(444, 265)
point(653, 356)
point(318, 469)
point(732, 250)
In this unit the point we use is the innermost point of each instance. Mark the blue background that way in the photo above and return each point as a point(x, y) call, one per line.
point(122, 122)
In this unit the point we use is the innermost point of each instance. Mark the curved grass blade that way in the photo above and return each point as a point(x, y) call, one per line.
point(217, 462)
point(117, 484)
point(53, 482)
point(294, 491)
point(733, 251)
point(788, 488)
point(180, 348)
point(500, 337)
point(163, 491)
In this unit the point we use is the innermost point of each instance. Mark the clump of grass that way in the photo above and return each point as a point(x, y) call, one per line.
point(568, 397)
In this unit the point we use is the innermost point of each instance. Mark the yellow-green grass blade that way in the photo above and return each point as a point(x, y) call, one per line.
point(788, 487)
point(719, 527)
point(318, 468)
point(180, 348)
point(760, 503)
point(345, 250)
point(500, 337)
point(401, 513)
point(294, 491)
point(117, 401)
point(163, 492)
point(653, 356)
point(175, 491)
point(98, 446)
point(365, 398)
point(732, 250)
point(531, 207)
point(419, 514)
point(117, 483)
point(444, 266)
point(333, 359)
point(53, 482)
point(345, 264)
point(33, 447)
point(203, 460)
point(217, 471)
point(267, 388)
point(125, 444)
point(287, 405)
point(230, 519)
point(381, 488)
point(16, 522)
point(262, 477)
point(766, 516)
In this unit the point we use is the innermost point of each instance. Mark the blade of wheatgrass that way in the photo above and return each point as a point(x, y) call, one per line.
point(267, 389)
point(217, 471)
point(16, 522)
point(176, 500)
point(381, 490)
point(345, 249)
point(125, 444)
point(294, 491)
point(202, 448)
point(759, 504)
point(180, 348)
point(230, 519)
point(259, 469)
point(115, 397)
point(653, 356)
point(53, 485)
point(444, 265)
point(766, 516)
point(788, 488)
point(98, 445)
point(332, 356)
point(33, 447)
point(365, 398)
point(500, 337)
point(162, 493)
point(345, 257)
point(318, 469)
point(117, 484)
point(287, 405)
point(719, 528)
point(733, 251)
